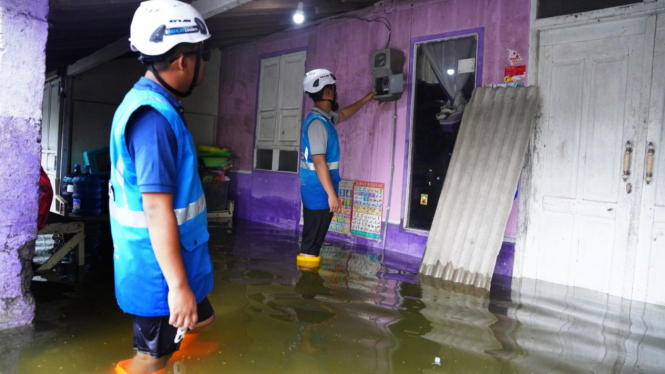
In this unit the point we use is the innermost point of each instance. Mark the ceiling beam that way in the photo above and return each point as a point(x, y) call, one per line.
point(79, 3)
point(211, 8)
point(207, 8)
point(309, 4)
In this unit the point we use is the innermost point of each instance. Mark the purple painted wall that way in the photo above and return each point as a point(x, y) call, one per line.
point(22, 62)
point(268, 197)
point(344, 46)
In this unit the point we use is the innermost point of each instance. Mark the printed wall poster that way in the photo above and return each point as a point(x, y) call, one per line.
point(341, 222)
point(514, 73)
point(514, 58)
point(367, 210)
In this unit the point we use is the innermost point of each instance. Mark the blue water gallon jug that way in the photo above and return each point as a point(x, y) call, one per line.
point(67, 187)
point(87, 196)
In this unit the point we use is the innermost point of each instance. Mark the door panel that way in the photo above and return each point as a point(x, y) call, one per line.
point(606, 128)
point(559, 233)
point(563, 133)
point(292, 73)
point(268, 100)
point(580, 211)
point(266, 127)
point(650, 277)
point(289, 124)
point(269, 84)
point(657, 260)
point(291, 98)
point(596, 235)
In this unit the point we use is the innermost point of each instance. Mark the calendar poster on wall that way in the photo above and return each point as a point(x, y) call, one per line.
point(341, 222)
point(367, 210)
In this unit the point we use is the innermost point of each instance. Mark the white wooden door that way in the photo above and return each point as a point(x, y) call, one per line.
point(650, 273)
point(51, 132)
point(279, 116)
point(579, 214)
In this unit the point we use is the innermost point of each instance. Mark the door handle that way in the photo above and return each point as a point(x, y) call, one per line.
point(651, 151)
point(626, 160)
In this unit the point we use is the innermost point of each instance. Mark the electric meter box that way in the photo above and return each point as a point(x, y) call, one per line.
point(388, 79)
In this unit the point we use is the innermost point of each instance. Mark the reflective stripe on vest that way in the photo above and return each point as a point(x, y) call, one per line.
point(310, 165)
point(135, 219)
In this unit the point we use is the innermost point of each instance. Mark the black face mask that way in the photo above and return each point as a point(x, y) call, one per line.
point(334, 105)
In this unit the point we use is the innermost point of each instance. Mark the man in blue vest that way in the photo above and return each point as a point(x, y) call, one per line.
point(163, 271)
point(319, 164)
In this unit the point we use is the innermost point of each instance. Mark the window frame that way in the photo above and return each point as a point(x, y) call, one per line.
point(479, 33)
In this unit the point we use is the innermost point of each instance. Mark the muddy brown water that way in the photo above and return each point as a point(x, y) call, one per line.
point(352, 315)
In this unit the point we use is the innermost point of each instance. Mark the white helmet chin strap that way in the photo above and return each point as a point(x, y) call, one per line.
point(195, 78)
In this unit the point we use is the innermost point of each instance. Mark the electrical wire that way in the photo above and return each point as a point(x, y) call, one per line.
point(390, 193)
point(382, 20)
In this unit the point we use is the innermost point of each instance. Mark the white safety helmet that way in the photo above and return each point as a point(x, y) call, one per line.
point(316, 79)
point(159, 25)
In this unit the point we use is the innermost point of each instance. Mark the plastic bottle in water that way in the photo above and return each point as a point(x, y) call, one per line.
point(87, 196)
point(67, 187)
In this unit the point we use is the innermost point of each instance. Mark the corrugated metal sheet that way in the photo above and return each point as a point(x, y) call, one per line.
point(477, 196)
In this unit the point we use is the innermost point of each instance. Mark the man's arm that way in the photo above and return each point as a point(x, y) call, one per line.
point(352, 109)
point(322, 171)
point(163, 230)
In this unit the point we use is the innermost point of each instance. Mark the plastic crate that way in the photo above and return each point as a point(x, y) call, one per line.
point(216, 194)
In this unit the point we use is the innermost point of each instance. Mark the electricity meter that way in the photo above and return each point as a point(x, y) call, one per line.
point(388, 78)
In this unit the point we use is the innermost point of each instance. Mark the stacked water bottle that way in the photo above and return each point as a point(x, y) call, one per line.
point(83, 192)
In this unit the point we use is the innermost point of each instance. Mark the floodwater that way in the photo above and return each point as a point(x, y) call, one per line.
point(352, 315)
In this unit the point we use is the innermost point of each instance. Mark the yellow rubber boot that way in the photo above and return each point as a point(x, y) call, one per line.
point(308, 262)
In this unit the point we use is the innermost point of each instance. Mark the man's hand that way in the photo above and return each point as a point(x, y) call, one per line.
point(367, 99)
point(182, 305)
point(334, 204)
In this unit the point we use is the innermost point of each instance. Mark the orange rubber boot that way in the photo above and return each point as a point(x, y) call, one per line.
point(121, 368)
point(190, 347)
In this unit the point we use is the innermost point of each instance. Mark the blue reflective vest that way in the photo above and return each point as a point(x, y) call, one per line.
point(140, 286)
point(313, 195)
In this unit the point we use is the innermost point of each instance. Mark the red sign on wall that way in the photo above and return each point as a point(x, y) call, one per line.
point(514, 73)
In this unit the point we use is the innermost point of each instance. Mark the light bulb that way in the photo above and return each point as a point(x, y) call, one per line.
point(451, 71)
point(299, 15)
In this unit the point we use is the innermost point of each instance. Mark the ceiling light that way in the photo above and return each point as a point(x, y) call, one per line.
point(299, 15)
point(451, 71)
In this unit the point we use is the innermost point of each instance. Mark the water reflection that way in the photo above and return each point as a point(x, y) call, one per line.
point(460, 323)
point(350, 315)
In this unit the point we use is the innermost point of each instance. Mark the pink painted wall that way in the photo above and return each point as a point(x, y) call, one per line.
point(344, 46)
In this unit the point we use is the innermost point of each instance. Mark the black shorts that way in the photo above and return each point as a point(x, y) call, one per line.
point(154, 336)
